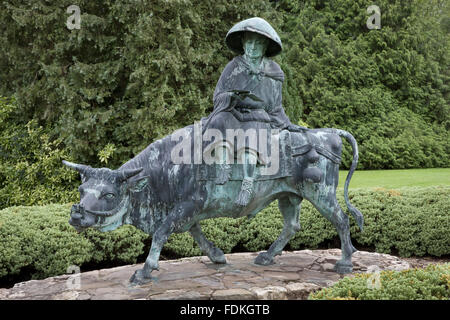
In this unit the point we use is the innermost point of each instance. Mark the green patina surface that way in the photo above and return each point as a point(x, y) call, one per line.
point(165, 196)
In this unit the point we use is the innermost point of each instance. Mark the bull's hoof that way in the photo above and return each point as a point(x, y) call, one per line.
point(264, 259)
point(216, 256)
point(139, 278)
point(343, 268)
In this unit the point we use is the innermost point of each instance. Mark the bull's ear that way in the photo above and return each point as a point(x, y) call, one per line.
point(128, 173)
point(138, 185)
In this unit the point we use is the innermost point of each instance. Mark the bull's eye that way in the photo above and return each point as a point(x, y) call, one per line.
point(109, 196)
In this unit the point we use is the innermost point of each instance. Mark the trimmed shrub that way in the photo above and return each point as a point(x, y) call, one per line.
point(41, 241)
point(431, 283)
point(410, 221)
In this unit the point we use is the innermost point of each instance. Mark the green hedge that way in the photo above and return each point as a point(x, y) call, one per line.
point(431, 283)
point(41, 241)
point(410, 221)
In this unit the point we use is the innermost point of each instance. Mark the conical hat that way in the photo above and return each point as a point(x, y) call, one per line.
point(258, 25)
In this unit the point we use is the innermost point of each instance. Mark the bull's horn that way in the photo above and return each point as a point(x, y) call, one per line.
point(128, 173)
point(81, 168)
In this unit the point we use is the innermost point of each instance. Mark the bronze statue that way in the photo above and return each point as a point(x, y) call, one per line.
point(161, 195)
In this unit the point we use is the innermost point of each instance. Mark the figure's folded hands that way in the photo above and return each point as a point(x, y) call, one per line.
point(247, 99)
point(243, 94)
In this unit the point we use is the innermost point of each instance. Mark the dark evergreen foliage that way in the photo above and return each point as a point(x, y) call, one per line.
point(389, 87)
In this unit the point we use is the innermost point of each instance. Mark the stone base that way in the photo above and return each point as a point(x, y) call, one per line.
point(294, 275)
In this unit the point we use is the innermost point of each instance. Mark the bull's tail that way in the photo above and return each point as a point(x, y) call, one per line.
point(350, 139)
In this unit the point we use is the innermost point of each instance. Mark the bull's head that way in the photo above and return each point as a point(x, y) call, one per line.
point(104, 196)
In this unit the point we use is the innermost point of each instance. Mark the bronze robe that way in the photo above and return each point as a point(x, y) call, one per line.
point(266, 84)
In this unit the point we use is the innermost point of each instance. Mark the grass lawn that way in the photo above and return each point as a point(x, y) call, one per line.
point(392, 179)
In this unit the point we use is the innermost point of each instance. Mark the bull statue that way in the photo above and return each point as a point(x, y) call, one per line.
point(161, 192)
point(160, 197)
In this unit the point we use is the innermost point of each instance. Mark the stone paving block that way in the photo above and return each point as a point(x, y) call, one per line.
point(300, 290)
point(270, 293)
point(233, 294)
point(181, 295)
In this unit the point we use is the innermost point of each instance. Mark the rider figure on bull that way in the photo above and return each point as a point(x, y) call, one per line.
point(249, 95)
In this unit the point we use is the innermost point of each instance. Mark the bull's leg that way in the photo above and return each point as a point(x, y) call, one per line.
point(215, 254)
point(290, 209)
point(178, 217)
point(159, 238)
point(333, 212)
